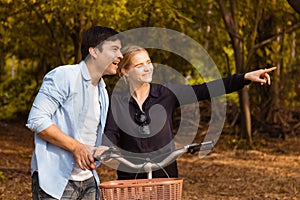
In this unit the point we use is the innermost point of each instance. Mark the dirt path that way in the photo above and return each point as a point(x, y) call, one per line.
point(271, 173)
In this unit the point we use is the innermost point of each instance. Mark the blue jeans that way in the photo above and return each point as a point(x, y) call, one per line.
point(77, 190)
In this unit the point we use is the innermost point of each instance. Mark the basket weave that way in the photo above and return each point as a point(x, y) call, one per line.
point(142, 189)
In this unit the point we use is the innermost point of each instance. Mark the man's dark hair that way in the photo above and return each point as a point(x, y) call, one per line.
point(95, 36)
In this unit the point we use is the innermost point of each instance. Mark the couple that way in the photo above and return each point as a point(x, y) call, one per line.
point(71, 113)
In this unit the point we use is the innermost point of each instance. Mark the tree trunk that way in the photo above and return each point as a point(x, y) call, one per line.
point(295, 5)
point(245, 114)
point(237, 43)
point(244, 93)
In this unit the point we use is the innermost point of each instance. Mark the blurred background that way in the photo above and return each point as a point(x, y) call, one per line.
point(39, 35)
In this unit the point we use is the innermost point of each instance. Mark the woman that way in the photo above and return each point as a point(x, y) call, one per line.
point(140, 121)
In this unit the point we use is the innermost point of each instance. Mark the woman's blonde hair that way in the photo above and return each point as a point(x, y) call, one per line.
point(128, 52)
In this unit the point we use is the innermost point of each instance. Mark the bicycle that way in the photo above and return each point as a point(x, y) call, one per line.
point(148, 189)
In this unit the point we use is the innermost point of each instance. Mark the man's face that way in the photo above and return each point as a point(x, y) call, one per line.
point(110, 57)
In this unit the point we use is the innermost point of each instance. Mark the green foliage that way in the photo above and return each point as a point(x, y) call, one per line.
point(242, 143)
point(44, 34)
point(239, 144)
point(2, 177)
point(24, 155)
point(16, 97)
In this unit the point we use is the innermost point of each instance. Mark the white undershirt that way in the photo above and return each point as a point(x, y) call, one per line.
point(88, 134)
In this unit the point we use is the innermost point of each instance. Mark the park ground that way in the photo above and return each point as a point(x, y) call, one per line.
point(271, 171)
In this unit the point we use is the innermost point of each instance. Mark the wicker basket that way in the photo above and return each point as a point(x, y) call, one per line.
point(142, 189)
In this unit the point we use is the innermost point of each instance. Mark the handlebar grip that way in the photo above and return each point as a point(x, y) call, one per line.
point(106, 154)
point(204, 146)
point(103, 157)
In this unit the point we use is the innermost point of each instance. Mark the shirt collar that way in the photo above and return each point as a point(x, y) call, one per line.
point(154, 92)
point(86, 75)
point(101, 83)
point(84, 71)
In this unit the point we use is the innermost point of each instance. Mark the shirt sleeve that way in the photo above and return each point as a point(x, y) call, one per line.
point(220, 87)
point(187, 94)
point(51, 95)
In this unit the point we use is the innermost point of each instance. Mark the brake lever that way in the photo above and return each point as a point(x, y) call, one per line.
point(204, 146)
point(193, 148)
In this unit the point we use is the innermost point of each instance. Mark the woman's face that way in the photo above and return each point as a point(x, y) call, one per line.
point(141, 69)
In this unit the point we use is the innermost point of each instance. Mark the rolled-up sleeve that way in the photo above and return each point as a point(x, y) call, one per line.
point(51, 95)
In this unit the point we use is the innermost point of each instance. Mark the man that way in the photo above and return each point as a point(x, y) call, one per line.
point(68, 117)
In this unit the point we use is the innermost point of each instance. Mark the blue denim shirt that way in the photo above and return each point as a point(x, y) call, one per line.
point(62, 100)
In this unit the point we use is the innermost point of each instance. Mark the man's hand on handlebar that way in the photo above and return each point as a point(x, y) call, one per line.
point(103, 154)
point(85, 156)
point(98, 151)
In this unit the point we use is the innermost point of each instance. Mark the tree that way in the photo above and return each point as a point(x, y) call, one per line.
point(50, 34)
point(239, 35)
point(249, 41)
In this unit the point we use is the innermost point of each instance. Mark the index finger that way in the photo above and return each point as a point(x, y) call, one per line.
point(270, 69)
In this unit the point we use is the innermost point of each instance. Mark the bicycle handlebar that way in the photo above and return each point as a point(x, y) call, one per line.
point(148, 165)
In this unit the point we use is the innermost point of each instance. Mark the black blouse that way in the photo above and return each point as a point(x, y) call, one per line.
point(122, 127)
